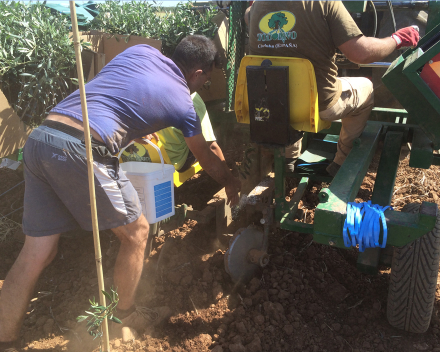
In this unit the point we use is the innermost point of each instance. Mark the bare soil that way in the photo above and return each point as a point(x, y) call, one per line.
point(309, 298)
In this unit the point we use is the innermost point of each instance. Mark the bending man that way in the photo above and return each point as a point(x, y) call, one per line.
point(139, 92)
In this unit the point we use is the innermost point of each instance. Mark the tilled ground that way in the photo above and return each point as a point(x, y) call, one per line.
point(309, 298)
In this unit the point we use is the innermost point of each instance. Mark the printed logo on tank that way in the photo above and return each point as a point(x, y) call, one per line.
point(277, 26)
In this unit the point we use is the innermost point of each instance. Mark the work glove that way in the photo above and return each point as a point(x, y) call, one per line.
point(406, 37)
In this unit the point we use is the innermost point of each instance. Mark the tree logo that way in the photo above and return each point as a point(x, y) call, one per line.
point(277, 26)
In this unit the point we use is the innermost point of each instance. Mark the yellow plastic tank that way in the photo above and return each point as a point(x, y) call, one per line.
point(304, 112)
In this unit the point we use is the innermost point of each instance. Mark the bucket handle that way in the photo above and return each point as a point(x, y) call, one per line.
point(160, 154)
point(122, 150)
point(154, 146)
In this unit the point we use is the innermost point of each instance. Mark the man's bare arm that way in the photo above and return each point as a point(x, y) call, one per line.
point(247, 15)
point(214, 166)
point(215, 148)
point(363, 50)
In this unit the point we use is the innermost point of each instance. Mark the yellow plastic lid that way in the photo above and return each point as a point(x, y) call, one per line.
point(304, 112)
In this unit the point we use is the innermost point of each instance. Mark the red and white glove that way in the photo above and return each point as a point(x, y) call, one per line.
point(406, 37)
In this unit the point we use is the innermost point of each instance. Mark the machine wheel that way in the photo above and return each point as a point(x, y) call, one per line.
point(413, 281)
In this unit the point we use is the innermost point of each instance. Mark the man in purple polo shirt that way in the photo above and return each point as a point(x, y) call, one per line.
point(138, 93)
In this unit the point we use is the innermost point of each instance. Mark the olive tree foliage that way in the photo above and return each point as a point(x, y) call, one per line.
point(149, 20)
point(37, 59)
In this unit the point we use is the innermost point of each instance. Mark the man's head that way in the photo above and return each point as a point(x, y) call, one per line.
point(196, 56)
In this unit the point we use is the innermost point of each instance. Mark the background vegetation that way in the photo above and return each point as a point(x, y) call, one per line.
point(37, 59)
point(145, 20)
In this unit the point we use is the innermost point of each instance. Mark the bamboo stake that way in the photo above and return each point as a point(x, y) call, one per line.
point(82, 91)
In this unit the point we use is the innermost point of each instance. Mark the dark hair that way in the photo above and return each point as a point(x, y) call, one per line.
point(196, 52)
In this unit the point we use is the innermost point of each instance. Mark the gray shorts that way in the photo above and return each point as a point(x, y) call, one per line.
point(57, 197)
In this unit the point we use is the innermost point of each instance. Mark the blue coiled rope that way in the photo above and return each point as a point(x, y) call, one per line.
point(362, 225)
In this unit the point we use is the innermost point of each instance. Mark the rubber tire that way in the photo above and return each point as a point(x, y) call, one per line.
point(413, 281)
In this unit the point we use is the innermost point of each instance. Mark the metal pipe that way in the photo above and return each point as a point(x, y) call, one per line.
point(400, 5)
point(376, 64)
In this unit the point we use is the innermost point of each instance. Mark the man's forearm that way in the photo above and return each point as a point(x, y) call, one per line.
point(364, 50)
point(211, 160)
point(217, 169)
point(214, 147)
point(214, 166)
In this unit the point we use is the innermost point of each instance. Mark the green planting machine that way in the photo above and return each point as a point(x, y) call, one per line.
point(266, 97)
point(412, 236)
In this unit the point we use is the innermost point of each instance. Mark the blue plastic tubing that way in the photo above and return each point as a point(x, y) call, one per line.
point(363, 225)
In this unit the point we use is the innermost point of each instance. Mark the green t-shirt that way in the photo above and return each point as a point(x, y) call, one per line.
point(173, 140)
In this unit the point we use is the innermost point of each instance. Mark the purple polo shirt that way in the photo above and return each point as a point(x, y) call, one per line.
point(137, 93)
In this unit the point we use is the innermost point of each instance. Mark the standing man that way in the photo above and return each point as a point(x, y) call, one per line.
point(313, 30)
point(139, 92)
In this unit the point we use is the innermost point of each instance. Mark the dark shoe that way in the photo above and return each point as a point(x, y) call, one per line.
point(290, 164)
point(144, 317)
point(333, 169)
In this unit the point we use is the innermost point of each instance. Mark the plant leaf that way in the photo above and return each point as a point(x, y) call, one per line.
point(81, 318)
point(116, 320)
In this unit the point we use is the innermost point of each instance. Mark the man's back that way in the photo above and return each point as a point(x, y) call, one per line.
point(306, 29)
point(139, 92)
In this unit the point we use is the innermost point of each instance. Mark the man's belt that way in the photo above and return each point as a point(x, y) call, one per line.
point(71, 131)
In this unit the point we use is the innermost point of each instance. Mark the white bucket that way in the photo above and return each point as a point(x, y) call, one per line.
point(154, 185)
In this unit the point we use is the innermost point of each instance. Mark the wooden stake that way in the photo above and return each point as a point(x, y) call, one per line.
point(82, 92)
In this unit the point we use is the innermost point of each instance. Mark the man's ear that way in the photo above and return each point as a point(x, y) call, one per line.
point(194, 75)
point(198, 73)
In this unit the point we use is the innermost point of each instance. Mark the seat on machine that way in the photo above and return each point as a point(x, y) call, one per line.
point(178, 178)
point(303, 93)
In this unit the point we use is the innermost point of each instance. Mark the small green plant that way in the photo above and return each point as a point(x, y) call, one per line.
point(97, 313)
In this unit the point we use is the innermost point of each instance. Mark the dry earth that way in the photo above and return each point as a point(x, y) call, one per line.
point(309, 298)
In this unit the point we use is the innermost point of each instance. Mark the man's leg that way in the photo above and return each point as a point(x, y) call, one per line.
point(293, 151)
point(361, 103)
point(19, 284)
point(353, 109)
point(128, 269)
point(292, 154)
point(130, 260)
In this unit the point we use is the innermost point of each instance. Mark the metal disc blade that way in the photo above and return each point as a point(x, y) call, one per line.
point(236, 261)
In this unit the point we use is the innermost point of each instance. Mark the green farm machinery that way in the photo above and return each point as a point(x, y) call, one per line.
point(413, 234)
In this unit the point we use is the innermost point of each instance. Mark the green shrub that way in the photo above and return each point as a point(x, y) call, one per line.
point(146, 20)
point(133, 18)
point(185, 20)
point(36, 59)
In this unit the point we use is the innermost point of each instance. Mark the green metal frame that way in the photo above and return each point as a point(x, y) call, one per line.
point(418, 124)
point(330, 213)
point(403, 80)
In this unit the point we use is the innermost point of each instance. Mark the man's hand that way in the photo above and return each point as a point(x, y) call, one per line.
point(406, 37)
point(148, 136)
point(232, 192)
